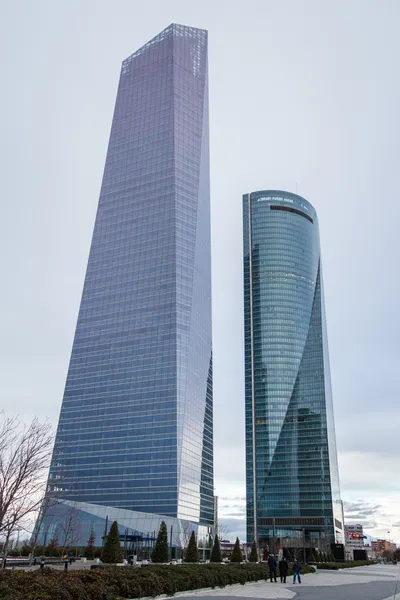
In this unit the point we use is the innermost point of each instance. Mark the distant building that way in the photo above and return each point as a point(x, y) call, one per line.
point(227, 547)
point(381, 546)
point(354, 539)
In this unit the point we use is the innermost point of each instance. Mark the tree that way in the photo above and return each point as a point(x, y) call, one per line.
point(316, 556)
point(216, 556)
point(396, 554)
point(388, 554)
point(222, 530)
point(253, 554)
point(236, 555)
point(192, 554)
point(311, 556)
point(25, 452)
point(112, 551)
point(42, 511)
point(89, 550)
point(160, 552)
point(185, 533)
point(69, 528)
point(53, 548)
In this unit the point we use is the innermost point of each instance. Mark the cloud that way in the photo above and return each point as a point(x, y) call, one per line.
point(233, 498)
point(369, 472)
point(360, 509)
point(233, 528)
point(384, 423)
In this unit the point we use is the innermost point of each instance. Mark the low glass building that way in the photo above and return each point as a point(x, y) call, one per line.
point(293, 496)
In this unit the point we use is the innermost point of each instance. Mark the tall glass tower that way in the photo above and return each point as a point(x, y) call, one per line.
point(135, 435)
point(293, 496)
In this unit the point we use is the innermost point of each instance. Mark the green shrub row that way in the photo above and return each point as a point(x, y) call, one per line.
point(117, 583)
point(348, 564)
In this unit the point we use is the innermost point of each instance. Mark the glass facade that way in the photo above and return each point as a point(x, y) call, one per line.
point(293, 496)
point(135, 430)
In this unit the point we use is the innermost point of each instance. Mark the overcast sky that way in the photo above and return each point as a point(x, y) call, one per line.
point(302, 91)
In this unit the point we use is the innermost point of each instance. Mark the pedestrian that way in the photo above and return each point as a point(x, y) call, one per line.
point(296, 571)
point(283, 569)
point(272, 567)
point(42, 562)
point(34, 561)
point(65, 558)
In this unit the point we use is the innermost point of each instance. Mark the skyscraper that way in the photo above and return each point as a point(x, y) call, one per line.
point(293, 496)
point(135, 435)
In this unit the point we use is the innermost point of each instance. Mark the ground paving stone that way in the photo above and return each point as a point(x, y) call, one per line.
point(376, 582)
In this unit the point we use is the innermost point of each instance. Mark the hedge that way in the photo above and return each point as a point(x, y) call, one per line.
point(118, 583)
point(348, 564)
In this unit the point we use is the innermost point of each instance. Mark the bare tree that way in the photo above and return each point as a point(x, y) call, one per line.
point(222, 530)
point(388, 554)
point(45, 505)
point(69, 528)
point(24, 459)
point(185, 533)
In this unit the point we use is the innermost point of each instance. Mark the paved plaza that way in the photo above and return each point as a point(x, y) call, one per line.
point(377, 582)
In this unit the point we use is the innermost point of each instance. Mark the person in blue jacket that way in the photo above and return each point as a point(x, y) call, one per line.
point(296, 571)
point(272, 566)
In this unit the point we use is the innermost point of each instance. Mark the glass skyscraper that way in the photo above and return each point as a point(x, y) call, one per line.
point(135, 434)
point(293, 496)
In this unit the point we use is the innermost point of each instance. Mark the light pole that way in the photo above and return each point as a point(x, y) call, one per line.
point(170, 544)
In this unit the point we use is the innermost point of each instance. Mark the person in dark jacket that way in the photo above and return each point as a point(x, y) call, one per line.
point(296, 571)
point(283, 569)
point(272, 567)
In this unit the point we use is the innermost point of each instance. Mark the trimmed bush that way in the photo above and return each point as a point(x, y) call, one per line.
point(122, 583)
point(112, 551)
point(236, 555)
point(348, 564)
point(216, 556)
point(253, 554)
point(192, 554)
point(160, 552)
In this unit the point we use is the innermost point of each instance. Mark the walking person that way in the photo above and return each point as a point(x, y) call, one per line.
point(283, 569)
point(272, 567)
point(296, 571)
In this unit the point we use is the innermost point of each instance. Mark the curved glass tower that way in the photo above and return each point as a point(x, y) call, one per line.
point(293, 496)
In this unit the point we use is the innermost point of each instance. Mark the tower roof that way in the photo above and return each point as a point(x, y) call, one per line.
point(174, 29)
